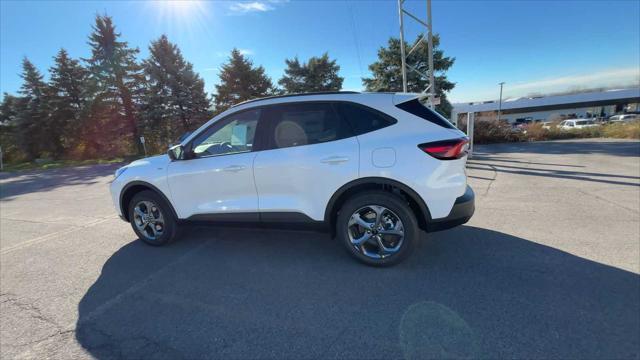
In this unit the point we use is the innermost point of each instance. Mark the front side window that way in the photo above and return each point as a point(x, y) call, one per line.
point(305, 124)
point(236, 135)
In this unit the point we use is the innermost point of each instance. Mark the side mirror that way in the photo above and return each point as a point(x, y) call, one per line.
point(176, 152)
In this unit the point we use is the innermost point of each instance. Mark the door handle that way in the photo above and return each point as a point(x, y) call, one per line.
point(234, 168)
point(334, 160)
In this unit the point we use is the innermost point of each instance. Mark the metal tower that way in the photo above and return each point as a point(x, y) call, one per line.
point(429, 92)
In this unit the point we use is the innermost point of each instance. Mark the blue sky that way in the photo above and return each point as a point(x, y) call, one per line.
point(534, 46)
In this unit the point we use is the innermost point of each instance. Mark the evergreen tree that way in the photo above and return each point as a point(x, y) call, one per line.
point(318, 74)
point(241, 81)
point(32, 113)
point(8, 119)
point(68, 98)
point(174, 99)
point(387, 71)
point(116, 78)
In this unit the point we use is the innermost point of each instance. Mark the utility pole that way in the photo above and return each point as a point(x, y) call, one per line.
point(500, 103)
point(402, 50)
point(427, 37)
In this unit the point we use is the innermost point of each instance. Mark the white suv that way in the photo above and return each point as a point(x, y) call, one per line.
point(372, 168)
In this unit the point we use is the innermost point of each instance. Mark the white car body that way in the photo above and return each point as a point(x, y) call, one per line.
point(623, 118)
point(305, 180)
point(577, 124)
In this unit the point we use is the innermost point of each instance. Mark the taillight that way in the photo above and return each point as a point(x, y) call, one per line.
point(447, 149)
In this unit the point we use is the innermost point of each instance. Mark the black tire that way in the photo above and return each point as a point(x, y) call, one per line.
point(395, 204)
point(169, 224)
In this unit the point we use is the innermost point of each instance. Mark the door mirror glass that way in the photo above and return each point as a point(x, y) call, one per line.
point(176, 152)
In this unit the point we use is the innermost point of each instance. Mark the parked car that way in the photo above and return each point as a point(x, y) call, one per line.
point(373, 169)
point(624, 118)
point(548, 125)
point(577, 124)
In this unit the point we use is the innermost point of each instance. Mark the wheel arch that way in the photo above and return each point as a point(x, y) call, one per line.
point(349, 189)
point(134, 187)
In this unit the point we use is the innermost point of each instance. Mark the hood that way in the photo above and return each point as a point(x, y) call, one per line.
point(155, 161)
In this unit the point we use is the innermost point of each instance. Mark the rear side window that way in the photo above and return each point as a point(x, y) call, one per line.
point(363, 119)
point(305, 124)
point(416, 108)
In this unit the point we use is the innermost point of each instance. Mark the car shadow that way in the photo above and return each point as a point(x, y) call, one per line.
point(24, 182)
point(466, 292)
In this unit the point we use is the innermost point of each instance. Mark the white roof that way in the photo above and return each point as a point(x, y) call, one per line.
point(548, 100)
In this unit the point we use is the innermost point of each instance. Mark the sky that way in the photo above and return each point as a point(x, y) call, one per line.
point(533, 46)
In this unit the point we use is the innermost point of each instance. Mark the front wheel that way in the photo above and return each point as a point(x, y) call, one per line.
point(152, 219)
point(377, 228)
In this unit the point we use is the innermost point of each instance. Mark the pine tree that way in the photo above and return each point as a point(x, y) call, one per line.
point(8, 118)
point(32, 113)
point(174, 99)
point(116, 78)
point(240, 81)
point(317, 74)
point(387, 73)
point(68, 99)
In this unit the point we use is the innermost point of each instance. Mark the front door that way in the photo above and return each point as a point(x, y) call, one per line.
point(218, 183)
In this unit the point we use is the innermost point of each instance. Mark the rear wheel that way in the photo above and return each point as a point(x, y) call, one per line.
point(152, 219)
point(377, 228)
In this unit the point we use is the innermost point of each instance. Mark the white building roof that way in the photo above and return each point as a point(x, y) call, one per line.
point(554, 100)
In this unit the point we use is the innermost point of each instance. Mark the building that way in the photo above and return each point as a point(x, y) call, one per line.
point(552, 108)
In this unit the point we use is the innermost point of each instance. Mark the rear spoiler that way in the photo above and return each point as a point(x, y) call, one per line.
point(399, 98)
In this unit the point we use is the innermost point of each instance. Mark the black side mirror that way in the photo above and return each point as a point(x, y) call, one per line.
point(176, 152)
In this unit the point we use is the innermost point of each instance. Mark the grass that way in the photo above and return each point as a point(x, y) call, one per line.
point(56, 164)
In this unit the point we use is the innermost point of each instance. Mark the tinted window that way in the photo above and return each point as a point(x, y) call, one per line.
point(305, 124)
point(416, 108)
point(235, 134)
point(363, 119)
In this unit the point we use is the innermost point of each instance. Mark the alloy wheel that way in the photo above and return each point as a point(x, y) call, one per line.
point(375, 231)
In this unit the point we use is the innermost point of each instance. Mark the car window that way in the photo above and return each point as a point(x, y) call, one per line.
point(363, 119)
point(305, 124)
point(235, 135)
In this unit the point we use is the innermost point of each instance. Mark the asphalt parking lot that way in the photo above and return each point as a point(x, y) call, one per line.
point(547, 268)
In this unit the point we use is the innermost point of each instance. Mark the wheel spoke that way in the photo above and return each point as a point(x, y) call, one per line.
point(392, 232)
point(378, 210)
point(139, 211)
point(357, 219)
point(362, 239)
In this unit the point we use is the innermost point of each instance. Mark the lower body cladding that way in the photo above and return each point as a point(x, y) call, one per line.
point(462, 210)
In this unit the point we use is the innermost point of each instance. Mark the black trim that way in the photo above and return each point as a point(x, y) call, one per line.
point(375, 181)
point(124, 211)
point(461, 212)
point(294, 95)
point(416, 108)
point(281, 220)
point(226, 217)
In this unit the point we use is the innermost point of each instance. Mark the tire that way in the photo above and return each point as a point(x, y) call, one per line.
point(392, 208)
point(162, 224)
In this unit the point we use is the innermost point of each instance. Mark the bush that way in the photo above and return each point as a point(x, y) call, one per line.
point(492, 131)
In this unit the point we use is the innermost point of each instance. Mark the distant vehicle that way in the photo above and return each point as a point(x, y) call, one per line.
point(622, 118)
point(548, 125)
point(577, 124)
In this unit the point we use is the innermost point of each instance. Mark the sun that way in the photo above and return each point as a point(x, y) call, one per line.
point(188, 16)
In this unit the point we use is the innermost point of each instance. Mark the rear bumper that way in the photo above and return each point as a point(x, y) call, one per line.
point(461, 212)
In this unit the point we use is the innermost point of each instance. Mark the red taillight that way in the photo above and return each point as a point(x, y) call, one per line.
point(446, 149)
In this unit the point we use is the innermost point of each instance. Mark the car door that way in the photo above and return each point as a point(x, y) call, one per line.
point(310, 154)
point(216, 182)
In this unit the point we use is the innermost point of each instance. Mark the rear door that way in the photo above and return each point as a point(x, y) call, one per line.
point(310, 154)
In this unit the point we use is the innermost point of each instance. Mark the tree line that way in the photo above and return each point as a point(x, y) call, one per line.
point(99, 107)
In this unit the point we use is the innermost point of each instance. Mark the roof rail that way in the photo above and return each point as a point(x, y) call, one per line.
point(291, 95)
